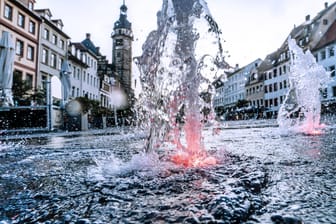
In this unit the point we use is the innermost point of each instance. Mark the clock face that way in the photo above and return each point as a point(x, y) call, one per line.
point(255, 76)
point(119, 42)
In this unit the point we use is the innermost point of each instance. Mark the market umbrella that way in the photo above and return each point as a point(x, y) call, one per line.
point(65, 80)
point(7, 54)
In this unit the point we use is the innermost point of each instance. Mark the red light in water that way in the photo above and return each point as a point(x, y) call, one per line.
point(188, 160)
point(315, 132)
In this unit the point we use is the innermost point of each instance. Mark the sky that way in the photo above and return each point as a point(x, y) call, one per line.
point(251, 28)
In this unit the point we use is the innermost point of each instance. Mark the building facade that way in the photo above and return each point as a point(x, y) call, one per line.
point(325, 55)
point(276, 81)
point(307, 35)
point(19, 19)
point(53, 47)
point(231, 89)
point(79, 66)
point(90, 87)
point(255, 86)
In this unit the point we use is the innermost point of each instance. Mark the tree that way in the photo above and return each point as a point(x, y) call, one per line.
point(87, 104)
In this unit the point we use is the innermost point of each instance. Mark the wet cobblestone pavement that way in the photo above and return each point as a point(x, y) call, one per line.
point(102, 178)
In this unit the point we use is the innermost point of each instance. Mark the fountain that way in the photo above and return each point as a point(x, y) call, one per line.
point(180, 61)
point(301, 109)
point(99, 176)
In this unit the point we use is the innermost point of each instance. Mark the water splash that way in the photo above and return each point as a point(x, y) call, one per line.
point(180, 61)
point(301, 109)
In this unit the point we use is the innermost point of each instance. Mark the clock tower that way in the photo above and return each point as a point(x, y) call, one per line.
point(122, 37)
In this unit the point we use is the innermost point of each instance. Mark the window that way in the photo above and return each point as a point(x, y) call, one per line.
point(21, 20)
point(78, 74)
point(54, 39)
point(30, 6)
point(44, 56)
point(332, 70)
point(46, 34)
point(323, 55)
point(53, 60)
point(334, 91)
point(61, 44)
point(8, 12)
point(331, 52)
point(30, 53)
point(275, 87)
point(325, 22)
point(119, 42)
point(32, 27)
point(29, 80)
point(285, 84)
point(276, 102)
point(274, 73)
point(74, 72)
point(19, 47)
point(60, 62)
point(44, 82)
point(325, 93)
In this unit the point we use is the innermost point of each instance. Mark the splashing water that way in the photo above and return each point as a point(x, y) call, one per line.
point(180, 61)
point(301, 109)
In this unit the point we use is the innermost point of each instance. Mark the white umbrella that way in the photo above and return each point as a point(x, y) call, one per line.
point(65, 80)
point(7, 54)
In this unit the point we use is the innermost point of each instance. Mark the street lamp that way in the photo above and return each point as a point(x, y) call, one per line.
point(49, 104)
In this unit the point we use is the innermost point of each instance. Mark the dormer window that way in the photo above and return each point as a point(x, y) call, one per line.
point(73, 50)
point(30, 6)
point(78, 54)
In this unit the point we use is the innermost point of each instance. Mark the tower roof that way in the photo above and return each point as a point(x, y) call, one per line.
point(123, 22)
point(90, 45)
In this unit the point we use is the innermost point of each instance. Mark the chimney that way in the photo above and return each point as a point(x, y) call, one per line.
point(307, 18)
point(237, 67)
point(326, 4)
point(88, 36)
point(98, 49)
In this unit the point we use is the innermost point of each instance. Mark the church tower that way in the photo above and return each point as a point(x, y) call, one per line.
point(122, 37)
